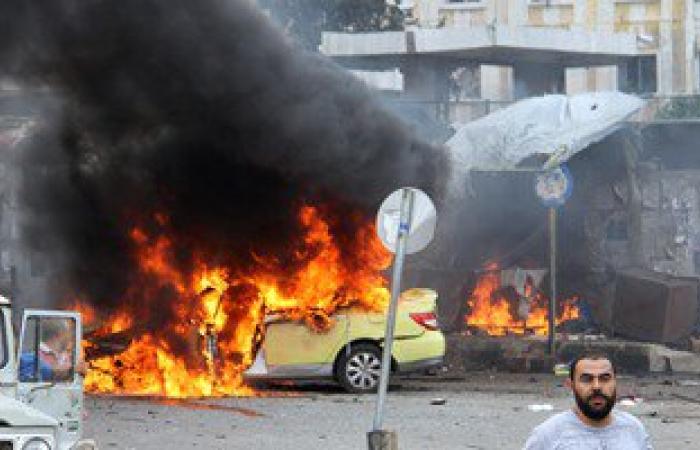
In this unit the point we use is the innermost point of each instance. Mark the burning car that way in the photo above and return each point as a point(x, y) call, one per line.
point(41, 398)
point(192, 330)
point(350, 350)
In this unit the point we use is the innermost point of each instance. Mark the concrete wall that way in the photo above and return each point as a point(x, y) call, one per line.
point(497, 83)
point(671, 221)
point(668, 178)
point(669, 182)
point(581, 79)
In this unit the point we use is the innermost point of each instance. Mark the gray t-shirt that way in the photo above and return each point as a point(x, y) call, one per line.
point(565, 431)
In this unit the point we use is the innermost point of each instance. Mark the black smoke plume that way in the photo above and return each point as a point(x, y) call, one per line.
point(199, 110)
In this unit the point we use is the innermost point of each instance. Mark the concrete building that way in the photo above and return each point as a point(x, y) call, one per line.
point(457, 51)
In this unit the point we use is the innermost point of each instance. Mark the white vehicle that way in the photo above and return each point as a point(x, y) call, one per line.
point(41, 391)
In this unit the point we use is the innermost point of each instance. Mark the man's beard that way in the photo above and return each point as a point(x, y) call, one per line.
point(591, 412)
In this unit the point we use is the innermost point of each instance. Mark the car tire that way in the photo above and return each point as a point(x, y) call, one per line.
point(359, 369)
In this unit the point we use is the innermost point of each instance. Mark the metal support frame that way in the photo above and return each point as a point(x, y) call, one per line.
point(401, 240)
point(551, 347)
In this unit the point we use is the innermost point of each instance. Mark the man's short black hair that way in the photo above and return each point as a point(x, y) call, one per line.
point(589, 354)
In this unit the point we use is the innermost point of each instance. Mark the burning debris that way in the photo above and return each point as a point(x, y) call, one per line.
point(191, 169)
point(510, 302)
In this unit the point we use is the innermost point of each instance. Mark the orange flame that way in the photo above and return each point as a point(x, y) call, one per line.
point(325, 283)
point(492, 311)
point(204, 349)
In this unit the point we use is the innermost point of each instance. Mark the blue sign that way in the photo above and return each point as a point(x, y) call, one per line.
point(554, 187)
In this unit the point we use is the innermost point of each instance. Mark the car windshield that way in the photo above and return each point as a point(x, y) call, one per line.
point(3, 340)
point(48, 350)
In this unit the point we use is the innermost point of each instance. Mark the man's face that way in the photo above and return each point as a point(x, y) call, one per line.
point(594, 387)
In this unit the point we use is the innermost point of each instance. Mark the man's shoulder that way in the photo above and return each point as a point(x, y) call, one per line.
point(566, 425)
point(626, 419)
point(544, 434)
point(555, 422)
point(564, 416)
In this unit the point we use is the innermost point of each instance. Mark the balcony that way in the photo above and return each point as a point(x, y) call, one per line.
point(497, 44)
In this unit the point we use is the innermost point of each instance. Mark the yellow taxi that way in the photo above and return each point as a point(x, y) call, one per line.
point(351, 350)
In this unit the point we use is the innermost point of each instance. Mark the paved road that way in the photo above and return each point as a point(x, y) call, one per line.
point(482, 411)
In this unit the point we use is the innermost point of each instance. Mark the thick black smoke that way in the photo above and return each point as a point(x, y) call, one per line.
point(201, 110)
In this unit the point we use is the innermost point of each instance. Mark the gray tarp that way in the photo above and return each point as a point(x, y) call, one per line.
point(555, 125)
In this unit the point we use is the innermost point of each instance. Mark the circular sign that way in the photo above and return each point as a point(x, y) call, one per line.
point(554, 186)
point(420, 226)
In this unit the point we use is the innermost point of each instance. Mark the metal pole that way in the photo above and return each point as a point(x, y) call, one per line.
point(552, 278)
point(404, 226)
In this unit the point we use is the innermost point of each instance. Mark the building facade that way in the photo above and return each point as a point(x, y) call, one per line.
point(504, 50)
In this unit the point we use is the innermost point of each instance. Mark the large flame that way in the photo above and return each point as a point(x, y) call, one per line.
point(210, 334)
point(491, 310)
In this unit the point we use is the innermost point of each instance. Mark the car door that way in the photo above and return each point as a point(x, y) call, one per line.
point(7, 359)
point(292, 346)
point(47, 365)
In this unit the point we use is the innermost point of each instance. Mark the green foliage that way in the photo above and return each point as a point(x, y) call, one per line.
point(363, 15)
point(306, 19)
point(680, 108)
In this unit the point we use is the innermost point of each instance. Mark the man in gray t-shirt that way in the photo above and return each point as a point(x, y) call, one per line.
point(591, 424)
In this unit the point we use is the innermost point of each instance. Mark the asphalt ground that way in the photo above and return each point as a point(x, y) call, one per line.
point(480, 411)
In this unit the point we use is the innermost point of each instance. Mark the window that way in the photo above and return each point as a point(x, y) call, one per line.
point(48, 350)
point(638, 75)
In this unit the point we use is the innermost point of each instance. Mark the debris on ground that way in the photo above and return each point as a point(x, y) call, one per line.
point(630, 401)
point(540, 407)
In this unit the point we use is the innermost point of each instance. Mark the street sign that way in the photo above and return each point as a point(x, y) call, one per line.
point(554, 187)
point(405, 224)
point(421, 226)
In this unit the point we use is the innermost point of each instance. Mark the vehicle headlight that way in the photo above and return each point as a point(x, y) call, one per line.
point(36, 444)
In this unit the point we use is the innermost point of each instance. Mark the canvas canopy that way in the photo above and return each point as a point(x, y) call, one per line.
point(555, 126)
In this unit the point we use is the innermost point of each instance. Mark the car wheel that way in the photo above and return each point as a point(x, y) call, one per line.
point(359, 369)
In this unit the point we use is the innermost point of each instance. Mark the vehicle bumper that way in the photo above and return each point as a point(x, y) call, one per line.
point(421, 352)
